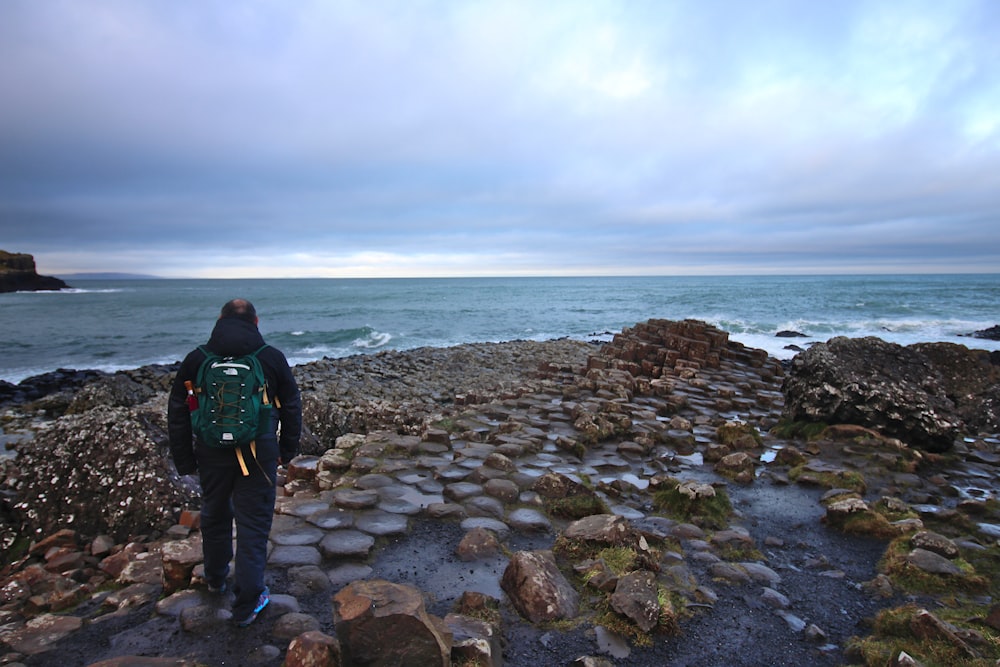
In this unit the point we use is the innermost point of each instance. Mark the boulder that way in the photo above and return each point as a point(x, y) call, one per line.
point(971, 380)
point(382, 623)
point(636, 598)
point(313, 649)
point(537, 589)
point(892, 389)
point(103, 472)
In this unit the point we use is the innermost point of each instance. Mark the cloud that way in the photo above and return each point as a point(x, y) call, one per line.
point(412, 138)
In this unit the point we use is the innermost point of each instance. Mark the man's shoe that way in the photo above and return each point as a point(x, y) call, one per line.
point(262, 601)
point(218, 590)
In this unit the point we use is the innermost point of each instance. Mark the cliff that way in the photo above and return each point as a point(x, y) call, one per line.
point(17, 274)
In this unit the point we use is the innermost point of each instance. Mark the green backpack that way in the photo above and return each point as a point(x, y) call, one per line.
point(233, 408)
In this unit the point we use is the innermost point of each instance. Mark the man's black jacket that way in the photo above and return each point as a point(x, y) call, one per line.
point(233, 337)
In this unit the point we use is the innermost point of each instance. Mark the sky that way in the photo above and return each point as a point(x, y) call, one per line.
point(397, 138)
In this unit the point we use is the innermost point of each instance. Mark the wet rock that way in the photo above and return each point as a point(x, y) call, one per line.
point(41, 633)
point(537, 589)
point(204, 619)
point(502, 489)
point(347, 543)
point(475, 642)
point(636, 598)
point(477, 544)
point(382, 623)
point(313, 649)
point(528, 520)
point(288, 556)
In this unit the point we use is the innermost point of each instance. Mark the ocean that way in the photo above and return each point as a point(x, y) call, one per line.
point(119, 324)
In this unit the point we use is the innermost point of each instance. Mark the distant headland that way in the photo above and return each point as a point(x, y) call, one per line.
point(18, 274)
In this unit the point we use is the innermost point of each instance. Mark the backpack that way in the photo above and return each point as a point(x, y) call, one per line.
point(233, 408)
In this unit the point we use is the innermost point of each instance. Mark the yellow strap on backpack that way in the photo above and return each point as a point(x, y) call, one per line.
point(243, 463)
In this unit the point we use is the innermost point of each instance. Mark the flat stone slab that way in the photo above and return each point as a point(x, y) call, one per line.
point(301, 507)
point(399, 506)
point(332, 519)
point(287, 556)
point(373, 481)
point(347, 543)
point(377, 522)
point(459, 491)
point(355, 499)
point(484, 506)
point(297, 536)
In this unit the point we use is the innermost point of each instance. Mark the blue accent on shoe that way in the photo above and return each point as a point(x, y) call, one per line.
point(262, 601)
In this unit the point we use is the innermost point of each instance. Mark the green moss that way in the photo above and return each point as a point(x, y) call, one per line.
point(576, 506)
point(707, 512)
point(914, 580)
point(798, 429)
point(871, 524)
point(893, 632)
point(738, 550)
point(739, 434)
point(838, 479)
point(893, 512)
point(620, 560)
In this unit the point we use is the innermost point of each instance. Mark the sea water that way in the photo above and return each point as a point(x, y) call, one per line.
point(119, 324)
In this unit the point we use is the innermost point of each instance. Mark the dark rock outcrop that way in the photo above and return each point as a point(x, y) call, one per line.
point(18, 274)
point(925, 395)
point(993, 333)
point(105, 471)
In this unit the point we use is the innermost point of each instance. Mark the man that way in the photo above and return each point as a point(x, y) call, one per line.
point(228, 491)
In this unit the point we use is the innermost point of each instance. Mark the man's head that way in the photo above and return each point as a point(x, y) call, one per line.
point(241, 309)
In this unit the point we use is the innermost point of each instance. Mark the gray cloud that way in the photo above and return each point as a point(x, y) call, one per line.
point(401, 138)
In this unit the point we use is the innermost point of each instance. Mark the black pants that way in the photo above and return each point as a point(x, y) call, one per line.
point(228, 495)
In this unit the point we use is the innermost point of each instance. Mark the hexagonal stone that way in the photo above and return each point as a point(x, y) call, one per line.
point(377, 522)
point(332, 519)
point(459, 491)
point(347, 543)
point(355, 499)
point(286, 556)
point(297, 536)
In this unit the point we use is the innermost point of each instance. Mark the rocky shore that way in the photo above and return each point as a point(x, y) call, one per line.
point(671, 497)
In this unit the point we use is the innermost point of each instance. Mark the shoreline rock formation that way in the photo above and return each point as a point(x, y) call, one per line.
point(18, 273)
point(645, 483)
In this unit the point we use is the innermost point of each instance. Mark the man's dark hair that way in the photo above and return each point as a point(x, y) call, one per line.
point(241, 309)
